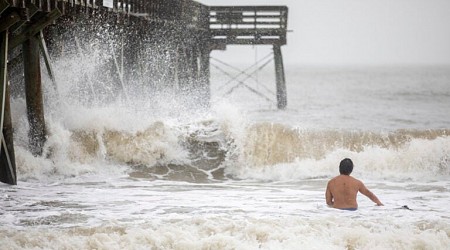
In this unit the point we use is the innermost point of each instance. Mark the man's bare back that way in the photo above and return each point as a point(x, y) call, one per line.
point(342, 190)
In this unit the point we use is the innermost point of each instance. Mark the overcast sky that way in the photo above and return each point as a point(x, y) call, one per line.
point(349, 32)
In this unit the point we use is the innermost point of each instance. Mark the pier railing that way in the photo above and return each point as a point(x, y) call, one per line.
point(248, 25)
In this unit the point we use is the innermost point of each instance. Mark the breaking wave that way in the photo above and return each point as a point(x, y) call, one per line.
point(220, 149)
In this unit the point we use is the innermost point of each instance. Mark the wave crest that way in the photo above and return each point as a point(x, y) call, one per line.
point(269, 144)
point(210, 150)
point(156, 144)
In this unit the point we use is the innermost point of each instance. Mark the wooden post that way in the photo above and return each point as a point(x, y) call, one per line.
point(171, 77)
point(47, 60)
point(194, 67)
point(33, 92)
point(280, 78)
point(188, 68)
point(7, 158)
point(182, 68)
point(205, 75)
point(7, 155)
point(176, 68)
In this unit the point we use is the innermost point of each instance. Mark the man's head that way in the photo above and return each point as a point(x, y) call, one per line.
point(346, 166)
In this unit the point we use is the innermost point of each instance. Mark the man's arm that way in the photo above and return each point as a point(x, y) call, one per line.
point(329, 196)
point(370, 195)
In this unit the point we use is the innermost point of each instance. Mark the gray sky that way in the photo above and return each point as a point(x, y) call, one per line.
point(349, 32)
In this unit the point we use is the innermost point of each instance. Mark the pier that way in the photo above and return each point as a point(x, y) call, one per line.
point(183, 32)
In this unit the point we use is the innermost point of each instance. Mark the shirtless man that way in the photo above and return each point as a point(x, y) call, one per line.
point(342, 190)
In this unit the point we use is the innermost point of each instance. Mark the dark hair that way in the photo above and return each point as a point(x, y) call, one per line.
point(346, 166)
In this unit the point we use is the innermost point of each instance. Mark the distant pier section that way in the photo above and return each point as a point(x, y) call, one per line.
point(181, 32)
point(252, 25)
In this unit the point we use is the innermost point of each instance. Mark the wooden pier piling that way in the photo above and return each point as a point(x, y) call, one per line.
point(280, 77)
point(33, 93)
point(7, 154)
point(21, 22)
point(7, 162)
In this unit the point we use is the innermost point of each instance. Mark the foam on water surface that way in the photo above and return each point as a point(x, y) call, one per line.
point(118, 213)
point(164, 172)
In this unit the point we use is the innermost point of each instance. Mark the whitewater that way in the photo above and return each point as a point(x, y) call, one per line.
point(153, 169)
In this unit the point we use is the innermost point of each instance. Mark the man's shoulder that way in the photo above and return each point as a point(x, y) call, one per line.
point(357, 182)
point(333, 179)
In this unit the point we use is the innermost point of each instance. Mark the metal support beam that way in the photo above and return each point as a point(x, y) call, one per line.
point(33, 93)
point(280, 78)
point(7, 162)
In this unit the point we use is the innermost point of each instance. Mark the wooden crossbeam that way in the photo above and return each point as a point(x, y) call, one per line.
point(247, 32)
point(3, 5)
point(31, 10)
point(248, 23)
point(47, 61)
point(242, 83)
point(34, 28)
point(9, 21)
point(220, 44)
point(248, 8)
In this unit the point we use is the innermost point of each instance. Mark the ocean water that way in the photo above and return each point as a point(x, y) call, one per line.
point(155, 170)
